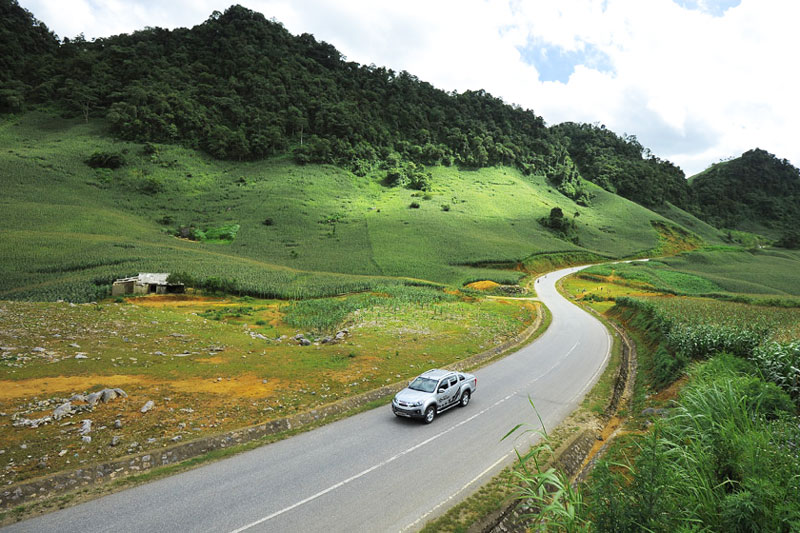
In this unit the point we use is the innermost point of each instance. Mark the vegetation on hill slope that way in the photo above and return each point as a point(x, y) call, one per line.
point(623, 166)
point(755, 192)
point(304, 231)
point(240, 86)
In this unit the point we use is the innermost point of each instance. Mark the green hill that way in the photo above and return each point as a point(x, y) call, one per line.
point(756, 192)
point(623, 166)
point(304, 230)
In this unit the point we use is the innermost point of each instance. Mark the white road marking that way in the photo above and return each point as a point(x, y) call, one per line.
point(456, 493)
point(417, 446)
point(370, 469)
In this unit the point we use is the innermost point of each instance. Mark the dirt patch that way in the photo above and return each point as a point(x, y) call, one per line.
point(485, 285)
point(43, 387)
point(670, 393)
point(215, 360)
point(173, 300)
point(246, 386)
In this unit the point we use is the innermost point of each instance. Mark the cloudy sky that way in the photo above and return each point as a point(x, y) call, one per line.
point(695, 80)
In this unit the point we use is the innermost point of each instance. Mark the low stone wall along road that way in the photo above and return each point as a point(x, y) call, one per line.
point(370, 472)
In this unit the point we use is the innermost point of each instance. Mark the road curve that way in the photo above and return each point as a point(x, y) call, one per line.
point(370, 472)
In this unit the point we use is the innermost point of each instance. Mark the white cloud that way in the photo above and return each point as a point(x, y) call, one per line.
point(695, 80)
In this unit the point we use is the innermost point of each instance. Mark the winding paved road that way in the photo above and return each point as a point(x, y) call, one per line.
point(371, 472)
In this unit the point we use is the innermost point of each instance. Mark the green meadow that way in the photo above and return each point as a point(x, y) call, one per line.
point(300, 231)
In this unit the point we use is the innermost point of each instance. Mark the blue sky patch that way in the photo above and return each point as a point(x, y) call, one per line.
point(556, 64)
point(716, 8)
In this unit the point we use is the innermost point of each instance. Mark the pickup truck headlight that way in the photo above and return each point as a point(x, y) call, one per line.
point(414, 404)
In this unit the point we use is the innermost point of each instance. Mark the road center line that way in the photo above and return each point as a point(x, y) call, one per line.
point(399, 455)
point(370, 469)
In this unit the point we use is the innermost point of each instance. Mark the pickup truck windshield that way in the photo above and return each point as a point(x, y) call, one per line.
point(423, 384)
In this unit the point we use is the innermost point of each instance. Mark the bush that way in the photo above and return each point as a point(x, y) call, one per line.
point(110, 160)
point(151, 185)
point(414, 205)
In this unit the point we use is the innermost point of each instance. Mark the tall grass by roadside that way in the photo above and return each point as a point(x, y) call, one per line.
point(322, 315)
point(727, 458)
point(548, 499)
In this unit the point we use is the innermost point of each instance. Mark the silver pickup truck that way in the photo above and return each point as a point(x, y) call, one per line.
point(433, 392)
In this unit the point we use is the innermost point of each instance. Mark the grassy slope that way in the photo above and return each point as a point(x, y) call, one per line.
point(757, 272)
point(65, 223)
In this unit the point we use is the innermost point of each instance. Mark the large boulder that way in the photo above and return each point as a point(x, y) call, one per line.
point(62, 410)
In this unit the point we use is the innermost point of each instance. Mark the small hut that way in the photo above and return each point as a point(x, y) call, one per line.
point(146, 283)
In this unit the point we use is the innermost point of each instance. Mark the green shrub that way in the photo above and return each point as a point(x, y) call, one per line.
point(110, 160)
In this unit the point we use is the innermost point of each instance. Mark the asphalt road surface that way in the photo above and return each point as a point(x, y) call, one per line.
point(372, 472)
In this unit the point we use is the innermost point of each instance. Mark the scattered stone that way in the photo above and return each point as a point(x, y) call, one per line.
point(86, 439)
point(38, 349)
point(32, 423)
point(326, 340)
point(115, 440)
point(74, 345)
point(176, 438)
point(86, 427)
point(23, 446)
point(78, 398)
point(151, 440)
point(92, 398)
point(264, 381)
point(177, 335)
point(341, 334)
point(81, 355)
point(106, 395)
point(159, 353)
point(650, 411)
point(305, 342)
point(121, 393)
point(43, 462)
point(62, 453)
point(62, 410)
point(7, 348)
point(146, 407)
point(117, 424)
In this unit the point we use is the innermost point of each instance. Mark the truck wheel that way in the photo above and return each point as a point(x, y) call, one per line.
point(464, 399)
point(430, 414)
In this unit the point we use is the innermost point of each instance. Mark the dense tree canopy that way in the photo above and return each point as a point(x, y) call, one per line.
point(756, 189)
point(623, 166)
point(240, 86)
point(26, 58)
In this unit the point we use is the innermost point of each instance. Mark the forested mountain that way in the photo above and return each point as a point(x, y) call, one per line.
point(754, 192)
point(623, 166)
point(27, 49)
point(240, 86)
